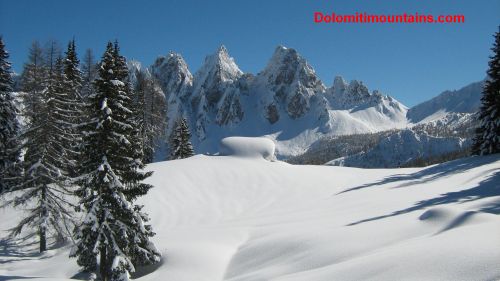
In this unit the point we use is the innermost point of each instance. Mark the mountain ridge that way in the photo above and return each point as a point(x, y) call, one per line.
point(286, 101)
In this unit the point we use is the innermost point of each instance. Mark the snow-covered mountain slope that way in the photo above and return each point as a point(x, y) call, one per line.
point(286, 101)
point(400, 148)
point(244, 219)
point(464, 100)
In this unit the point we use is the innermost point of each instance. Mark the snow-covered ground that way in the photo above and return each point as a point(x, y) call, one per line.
point(246, 218)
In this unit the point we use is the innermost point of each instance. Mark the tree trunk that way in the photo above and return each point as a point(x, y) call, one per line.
point(42, 230)
point(103, 265)
point(43, 240)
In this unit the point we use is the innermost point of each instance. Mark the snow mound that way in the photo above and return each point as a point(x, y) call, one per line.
point(248, 147)
point(449, 218)
point(437, 214)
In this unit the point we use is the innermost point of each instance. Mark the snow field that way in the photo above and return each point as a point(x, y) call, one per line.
point(245, 218)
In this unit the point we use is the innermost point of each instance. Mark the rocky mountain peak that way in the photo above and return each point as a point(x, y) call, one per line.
point(173, 74)
point(219, 66)
point(339, 84)
point(218, 72)
point(287, 66)
point(291, 82)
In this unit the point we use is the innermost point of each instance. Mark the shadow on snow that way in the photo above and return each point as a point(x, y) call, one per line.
point(489, 187)
point(431, 173)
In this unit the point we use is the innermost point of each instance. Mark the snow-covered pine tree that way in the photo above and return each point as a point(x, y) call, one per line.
point(180, 144)
point(113, 237)
point(151, 113)
point(9, 125)
point(43, 190)
point(73, 106)
point(487, 139)
point(132, 175)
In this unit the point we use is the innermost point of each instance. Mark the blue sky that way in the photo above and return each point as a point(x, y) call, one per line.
point(410, 62)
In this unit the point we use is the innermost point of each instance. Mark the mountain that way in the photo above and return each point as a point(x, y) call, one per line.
point(175, 79)
point(287, 86)
point(402, 147)
point(215, 97)
point(286, 102)
point(440, 129)
point(464, 100)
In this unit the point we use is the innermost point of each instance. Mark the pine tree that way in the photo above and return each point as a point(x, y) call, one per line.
point(43, 189)
point(181, 146)
point(73, 106)
point(487, 139)
point(9, 125)
point(113, 237)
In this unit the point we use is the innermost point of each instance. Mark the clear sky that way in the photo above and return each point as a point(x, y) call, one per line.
point(412, 62)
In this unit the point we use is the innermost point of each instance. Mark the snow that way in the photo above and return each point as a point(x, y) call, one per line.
point(240, 218)
point(117, 83)
point(248, 147)
point(464, 100)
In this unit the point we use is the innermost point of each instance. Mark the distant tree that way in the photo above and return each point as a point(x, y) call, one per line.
point(487, 139)
point(89, 72)
point(9, 125)
point(52, 53)
point(113, 238)
point(180, 144)
point(33, 80)
point(151, 113)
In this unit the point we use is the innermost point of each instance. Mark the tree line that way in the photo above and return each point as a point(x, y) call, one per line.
point(76, 137)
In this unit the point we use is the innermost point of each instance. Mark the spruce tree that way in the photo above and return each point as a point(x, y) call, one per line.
point(43, 190)
point(73, 106)
point(487, 139)
point(181, 146)
point(113, 238)
point(9, 125)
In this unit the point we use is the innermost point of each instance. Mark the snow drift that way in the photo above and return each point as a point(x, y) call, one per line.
point(240, 218)
point(248, 147)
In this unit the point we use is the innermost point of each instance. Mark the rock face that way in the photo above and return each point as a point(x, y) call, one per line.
point(287, 84)
point(286, 101)
point(176, 81)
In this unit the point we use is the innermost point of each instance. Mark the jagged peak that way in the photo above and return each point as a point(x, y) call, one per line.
point(171, 58)
point(173, 61)
point(287, 65)
point(134, 65)
point(282, 53)
point(222, 50)
point(358, 88)
point(220, 63)
point(355, 83)
point(172, 72)
point(176, 56)
point(339, 82)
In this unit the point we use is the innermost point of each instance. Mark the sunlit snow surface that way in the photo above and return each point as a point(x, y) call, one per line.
point(246, 218)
